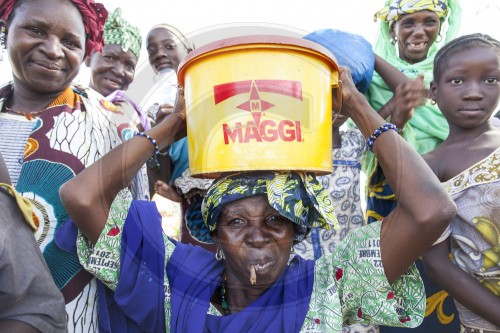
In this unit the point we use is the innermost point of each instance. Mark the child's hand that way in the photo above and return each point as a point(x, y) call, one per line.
point(164, 111)
point(178, 110)
point(167, 109)
point(408, 95)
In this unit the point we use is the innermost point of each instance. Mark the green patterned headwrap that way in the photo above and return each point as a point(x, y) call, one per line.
point(393, 10)
point(298, 196)
point(118, 31)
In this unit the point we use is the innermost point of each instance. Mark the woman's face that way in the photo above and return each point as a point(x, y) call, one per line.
point(46, 49)
point(415, 34)
point(162, 50)
point(111, 70)
point(251, 232)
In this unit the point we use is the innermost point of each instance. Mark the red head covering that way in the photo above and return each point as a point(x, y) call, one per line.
point(93, 14)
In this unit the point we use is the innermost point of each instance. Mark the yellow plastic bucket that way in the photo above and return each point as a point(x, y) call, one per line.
point(259, 103)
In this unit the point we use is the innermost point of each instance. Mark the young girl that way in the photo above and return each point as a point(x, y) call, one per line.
point(466, 88)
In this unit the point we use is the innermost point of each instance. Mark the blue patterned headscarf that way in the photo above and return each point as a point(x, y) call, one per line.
point(298, 196)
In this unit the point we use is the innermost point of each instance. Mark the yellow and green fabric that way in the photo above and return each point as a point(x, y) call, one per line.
point(298, 196)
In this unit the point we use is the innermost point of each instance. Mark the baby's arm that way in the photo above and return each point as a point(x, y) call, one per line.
point(460, 285)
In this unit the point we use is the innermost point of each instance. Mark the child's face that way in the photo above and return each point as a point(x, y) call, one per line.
point(162, 50)
point(468, 91)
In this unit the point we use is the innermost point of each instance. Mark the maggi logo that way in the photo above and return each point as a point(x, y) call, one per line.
point(258, 130)
point(268, 131)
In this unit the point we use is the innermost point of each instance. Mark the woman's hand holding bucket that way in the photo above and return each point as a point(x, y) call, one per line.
point(347, 101)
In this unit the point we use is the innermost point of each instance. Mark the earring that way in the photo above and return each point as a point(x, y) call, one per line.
point(433, 101)
point(2, 42)
point(219, 254)
point(438, 37)
point(394, 40)
point(292, 250)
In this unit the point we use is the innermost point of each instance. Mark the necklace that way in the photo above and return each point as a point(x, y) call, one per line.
point(29, 115)
point(223, 294)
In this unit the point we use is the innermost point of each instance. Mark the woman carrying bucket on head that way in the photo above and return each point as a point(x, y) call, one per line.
point(255, 217)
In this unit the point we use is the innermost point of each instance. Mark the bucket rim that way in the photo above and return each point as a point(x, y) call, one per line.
point(254, 39)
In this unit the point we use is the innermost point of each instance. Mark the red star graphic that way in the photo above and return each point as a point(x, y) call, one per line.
point(255, 105)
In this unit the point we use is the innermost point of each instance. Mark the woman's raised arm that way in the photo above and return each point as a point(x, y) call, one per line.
point(424, 209)
point(88, 197)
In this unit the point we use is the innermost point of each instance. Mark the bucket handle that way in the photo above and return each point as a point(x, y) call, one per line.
point(340, 98)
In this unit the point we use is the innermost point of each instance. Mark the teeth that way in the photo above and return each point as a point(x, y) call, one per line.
point(262, 266)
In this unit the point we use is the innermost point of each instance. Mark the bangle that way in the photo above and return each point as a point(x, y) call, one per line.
point(153, 141)
point(384, 128)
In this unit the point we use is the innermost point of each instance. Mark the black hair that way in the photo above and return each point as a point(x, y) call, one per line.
point(459, 44)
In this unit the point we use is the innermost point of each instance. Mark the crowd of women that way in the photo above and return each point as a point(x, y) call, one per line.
point(260, 251)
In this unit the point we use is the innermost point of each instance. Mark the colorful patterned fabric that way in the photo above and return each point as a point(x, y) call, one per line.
point(193, 228)
point(15, 139)
point(349, 285)
point(24, 205)
point(475, 230)
point(394, 9)
point(297, 196)
point(424, 131)
point(343, 187)
point(94, 15)
point(74, 131)
point(120, 32)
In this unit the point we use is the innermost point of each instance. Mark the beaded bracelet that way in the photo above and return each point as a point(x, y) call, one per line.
point(384, 128)
point(153, 141)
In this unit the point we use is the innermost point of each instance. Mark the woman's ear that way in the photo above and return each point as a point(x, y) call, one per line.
point(3, 35)
point(393, 30)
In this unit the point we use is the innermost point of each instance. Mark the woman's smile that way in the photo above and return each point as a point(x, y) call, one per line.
point(263, 265)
